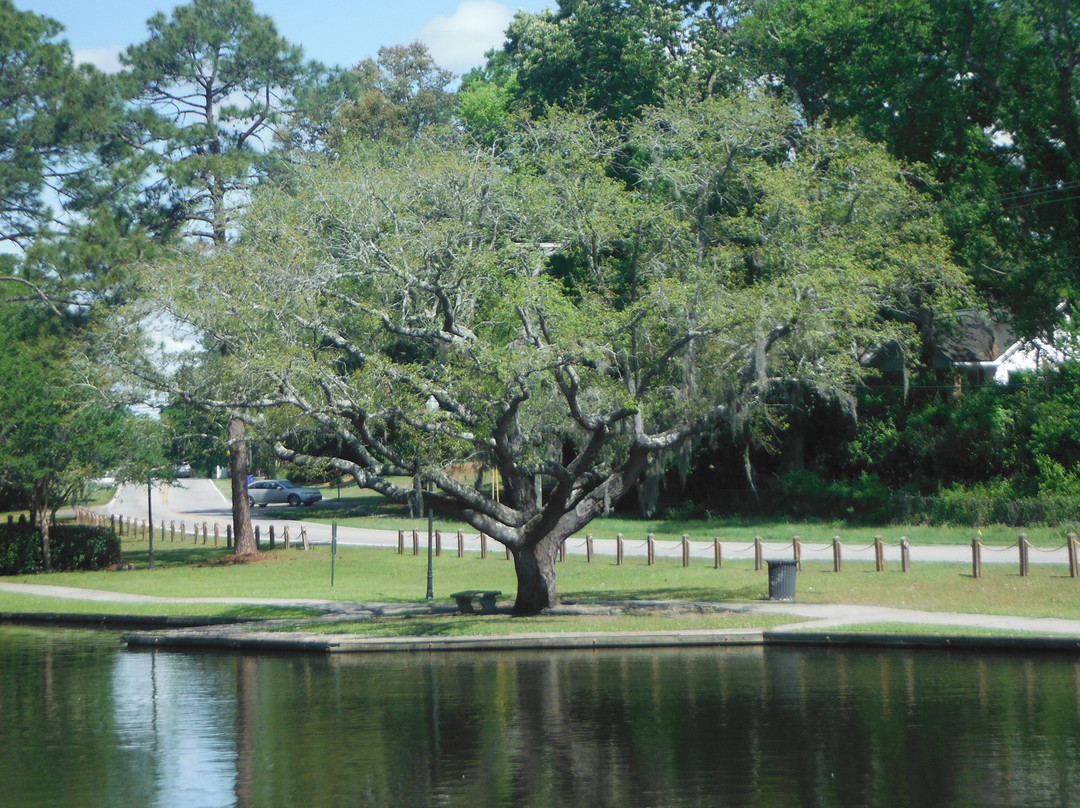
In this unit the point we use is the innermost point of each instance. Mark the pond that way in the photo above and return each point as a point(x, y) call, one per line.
point(85, 722)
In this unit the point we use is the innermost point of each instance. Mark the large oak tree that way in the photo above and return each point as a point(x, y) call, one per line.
point(399, 312)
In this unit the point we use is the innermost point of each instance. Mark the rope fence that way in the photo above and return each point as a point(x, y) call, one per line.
point(685, 548)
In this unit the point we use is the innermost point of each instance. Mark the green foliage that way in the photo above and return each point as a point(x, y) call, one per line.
point(74, 547)
point(207, 86)
point(56, 434)
point(986, 95)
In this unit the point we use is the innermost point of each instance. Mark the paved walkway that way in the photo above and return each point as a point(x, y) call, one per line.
point(818, 616)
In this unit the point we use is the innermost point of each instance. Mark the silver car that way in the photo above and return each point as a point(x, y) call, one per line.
point(264, 492)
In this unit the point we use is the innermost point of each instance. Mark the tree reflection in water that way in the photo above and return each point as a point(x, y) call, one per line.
point(725, 727)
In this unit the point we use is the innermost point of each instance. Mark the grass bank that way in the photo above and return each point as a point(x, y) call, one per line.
point(380, 575)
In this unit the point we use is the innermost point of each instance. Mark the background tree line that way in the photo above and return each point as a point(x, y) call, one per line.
point(730, 208)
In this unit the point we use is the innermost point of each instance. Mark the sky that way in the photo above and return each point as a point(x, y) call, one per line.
point(335, 32)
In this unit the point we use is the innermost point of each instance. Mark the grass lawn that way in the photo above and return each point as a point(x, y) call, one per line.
point(453, 625)
point(380, 575)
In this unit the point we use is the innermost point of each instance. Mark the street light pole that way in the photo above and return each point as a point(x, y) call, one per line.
point(430, 587)
point(150, 516)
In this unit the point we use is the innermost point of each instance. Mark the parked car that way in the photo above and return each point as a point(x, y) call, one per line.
point(183, 470)
point(265, 492)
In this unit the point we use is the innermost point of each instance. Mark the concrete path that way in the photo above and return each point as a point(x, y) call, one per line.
point(195, 501)
point(818, 615)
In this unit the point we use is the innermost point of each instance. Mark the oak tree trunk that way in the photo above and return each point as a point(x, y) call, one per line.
point(238, 471)
point(535, 568)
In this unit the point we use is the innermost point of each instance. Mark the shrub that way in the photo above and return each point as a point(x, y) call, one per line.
point(74, 547)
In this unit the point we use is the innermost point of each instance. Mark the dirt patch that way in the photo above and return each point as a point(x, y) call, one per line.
point(250, 558)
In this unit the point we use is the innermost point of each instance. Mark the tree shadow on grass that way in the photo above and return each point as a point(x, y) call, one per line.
point(181, 556)
point(717, 594)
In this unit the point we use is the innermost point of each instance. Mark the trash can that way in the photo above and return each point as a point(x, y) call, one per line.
point(782, 578)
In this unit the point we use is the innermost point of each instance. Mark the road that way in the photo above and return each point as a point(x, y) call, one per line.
point(194, 501)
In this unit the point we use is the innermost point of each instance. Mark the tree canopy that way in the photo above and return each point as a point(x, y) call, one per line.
point(402, 311)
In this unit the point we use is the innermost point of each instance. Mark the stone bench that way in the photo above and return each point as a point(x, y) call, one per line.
point(467, 600)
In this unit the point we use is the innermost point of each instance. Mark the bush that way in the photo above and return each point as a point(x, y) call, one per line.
point(74, 547)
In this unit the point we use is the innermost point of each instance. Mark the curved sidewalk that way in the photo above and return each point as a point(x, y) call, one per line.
point(824, 624)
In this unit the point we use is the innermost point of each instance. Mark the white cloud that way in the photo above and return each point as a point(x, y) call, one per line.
point(460, 41)
point(106, 60)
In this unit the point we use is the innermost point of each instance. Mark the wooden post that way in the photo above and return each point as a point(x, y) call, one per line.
point(438, 542)
point(588, 548)
point(483, 546)
point(879, 553)
point(172, 531)
point(507, 548)
point(112, 519)
point(718, 553)
point(401, 542)
point(905, 554)
point(204, 533)
point(1074, 561)
point(415, 542)
point(837, 558)
point(757, 554)
point(162, 533)
point(619, 549)
point(976, 559)
point(217, 535)
point(686, 549)
point(304, 538)
point(228, 536)
point(258, 538)
point(1023, 544)
point(562, 550)
point(183, 531)
point(650, 553)
point(273, 538)
point(796, 549)
point(284, 530)
point(460, 544)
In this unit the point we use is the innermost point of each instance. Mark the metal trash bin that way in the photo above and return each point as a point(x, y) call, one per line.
point(782, 578)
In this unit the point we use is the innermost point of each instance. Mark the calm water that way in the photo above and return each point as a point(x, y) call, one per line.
point(85, 723)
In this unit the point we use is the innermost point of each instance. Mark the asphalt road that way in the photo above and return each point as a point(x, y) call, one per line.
point(194, 501)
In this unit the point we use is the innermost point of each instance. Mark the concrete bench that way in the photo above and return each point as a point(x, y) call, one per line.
point(467, 600)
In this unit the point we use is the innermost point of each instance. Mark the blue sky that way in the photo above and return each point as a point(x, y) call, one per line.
point(336, 32)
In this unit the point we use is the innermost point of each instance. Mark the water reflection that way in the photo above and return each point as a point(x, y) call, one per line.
point(85, 723)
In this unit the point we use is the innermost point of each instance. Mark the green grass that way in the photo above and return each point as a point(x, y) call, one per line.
point(46, 605)
point(353, 511)
point(923, 630)
point(454, 625)
point(380, 575)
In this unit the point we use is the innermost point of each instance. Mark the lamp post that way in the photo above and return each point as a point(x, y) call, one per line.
point(150, 516)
